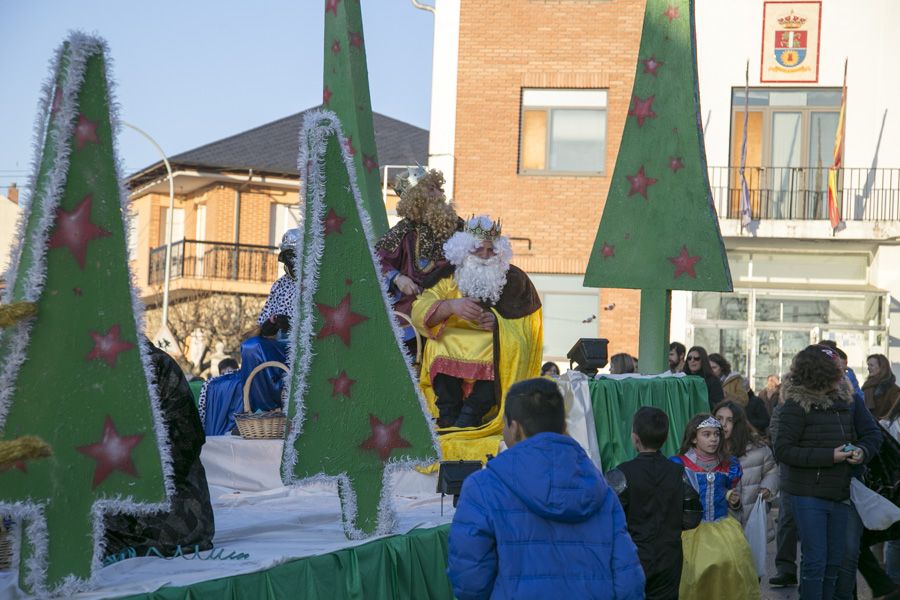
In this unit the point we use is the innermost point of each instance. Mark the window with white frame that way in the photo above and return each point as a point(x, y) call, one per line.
point(282, 218)
point(563, 131)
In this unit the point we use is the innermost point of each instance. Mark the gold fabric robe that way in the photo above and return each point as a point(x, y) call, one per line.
point(457, 344)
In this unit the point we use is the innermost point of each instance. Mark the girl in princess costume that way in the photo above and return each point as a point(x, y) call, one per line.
point(717, 560)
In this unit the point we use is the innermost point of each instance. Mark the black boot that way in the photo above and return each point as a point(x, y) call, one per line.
point(469, 417)
point(449, 399)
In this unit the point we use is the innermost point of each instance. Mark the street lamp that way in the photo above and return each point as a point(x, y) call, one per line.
point(164, 329)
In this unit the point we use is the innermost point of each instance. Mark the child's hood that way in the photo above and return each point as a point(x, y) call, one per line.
point(553, 476)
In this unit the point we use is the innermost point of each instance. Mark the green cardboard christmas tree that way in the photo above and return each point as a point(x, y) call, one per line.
point(346, 92)
point(356, 412)
point(659, 229)
point(74, 376)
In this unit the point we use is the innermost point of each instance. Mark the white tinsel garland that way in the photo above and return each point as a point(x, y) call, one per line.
point(43, 200)
point(318, 126)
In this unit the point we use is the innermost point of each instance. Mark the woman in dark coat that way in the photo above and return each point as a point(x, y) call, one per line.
point(696, 362)
point(816, 448)
point(880, 388)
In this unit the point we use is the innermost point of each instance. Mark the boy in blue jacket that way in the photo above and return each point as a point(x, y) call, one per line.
point(540, 521)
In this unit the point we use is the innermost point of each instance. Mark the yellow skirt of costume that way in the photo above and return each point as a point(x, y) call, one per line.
point(521, 345)
point(717, 563)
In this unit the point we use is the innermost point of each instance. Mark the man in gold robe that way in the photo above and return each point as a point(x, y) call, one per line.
point(482, 318)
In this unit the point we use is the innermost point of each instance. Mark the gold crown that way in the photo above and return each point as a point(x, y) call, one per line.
point(478, 228)
point(792, 21)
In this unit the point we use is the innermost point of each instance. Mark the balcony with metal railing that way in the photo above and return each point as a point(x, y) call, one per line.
point(218, 265)
point(868, 199)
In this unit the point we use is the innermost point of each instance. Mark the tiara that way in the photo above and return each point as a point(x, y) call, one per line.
point(406, 181)
point(483, 228)
point(709, 422)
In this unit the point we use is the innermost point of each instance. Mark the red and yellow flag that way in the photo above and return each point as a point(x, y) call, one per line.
point(834, 212)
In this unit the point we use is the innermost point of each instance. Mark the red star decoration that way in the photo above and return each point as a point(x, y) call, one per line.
point(57, 101)
point(675, 163)
point(326, 95)
point(19, 464)
point(348, 281)
point(384, 438)
point(671, 13)
point(642, 110)
point(639, 183)
point(651, 65)
point(341, 384)
point(85, 131)
point(338, 320)
point(331, 6)
point(684, 263)
point(77, 291)
point(369, 163)
point(356, 39)
point(349, 146)
point(333, 222)
point(335, 47)
point(112, 453)
point(108, 346)
point(74, 230)
point(608, 251)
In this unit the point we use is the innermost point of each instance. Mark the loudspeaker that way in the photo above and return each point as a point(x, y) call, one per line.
point(451, 476)
point(589, 354)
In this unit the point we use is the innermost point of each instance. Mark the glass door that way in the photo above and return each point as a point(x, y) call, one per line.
point(784, 175)
point(822, 129)
point(775, 349)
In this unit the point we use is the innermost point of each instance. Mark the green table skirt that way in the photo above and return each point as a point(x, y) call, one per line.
point(614, 402)
point(401, 566)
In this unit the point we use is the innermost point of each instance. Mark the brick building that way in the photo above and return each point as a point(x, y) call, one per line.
point(234, 199)
point(529, 105)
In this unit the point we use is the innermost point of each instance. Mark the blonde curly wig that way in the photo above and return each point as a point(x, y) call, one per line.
point(416, 205)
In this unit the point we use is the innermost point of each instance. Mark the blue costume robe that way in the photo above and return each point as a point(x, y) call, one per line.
point(224, 395)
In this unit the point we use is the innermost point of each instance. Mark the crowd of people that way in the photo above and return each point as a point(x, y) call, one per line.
point(526, 531)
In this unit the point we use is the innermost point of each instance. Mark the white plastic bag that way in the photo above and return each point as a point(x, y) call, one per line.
point(876, 511)
point(755, 532)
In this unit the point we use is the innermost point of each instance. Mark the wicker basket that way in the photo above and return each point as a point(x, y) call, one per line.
point(261, 426)
point(5, 545)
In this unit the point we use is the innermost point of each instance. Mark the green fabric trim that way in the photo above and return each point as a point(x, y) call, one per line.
point(615, 401)
point(401, 566)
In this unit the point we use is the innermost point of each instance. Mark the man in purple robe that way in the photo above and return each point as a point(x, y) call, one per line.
point(414, 247)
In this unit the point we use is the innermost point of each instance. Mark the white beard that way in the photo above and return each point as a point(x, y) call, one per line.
point(482, 279)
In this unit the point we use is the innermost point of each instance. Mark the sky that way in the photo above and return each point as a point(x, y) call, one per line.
point(191, 72)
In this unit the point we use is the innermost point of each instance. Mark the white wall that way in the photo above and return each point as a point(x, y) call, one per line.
point(885, 273)
point(9, 215)
point(442, 133)
point(864, 31)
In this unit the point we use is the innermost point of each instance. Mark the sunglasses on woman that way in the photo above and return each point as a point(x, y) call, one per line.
point(693, 358)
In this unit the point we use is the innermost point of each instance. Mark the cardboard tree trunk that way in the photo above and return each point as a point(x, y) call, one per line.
point(659, 229)
point(75, 375)
point(356, 411)
point(346, 92)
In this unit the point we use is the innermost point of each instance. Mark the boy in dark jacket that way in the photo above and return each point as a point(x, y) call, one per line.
point(539, 521)
point(659, 503)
